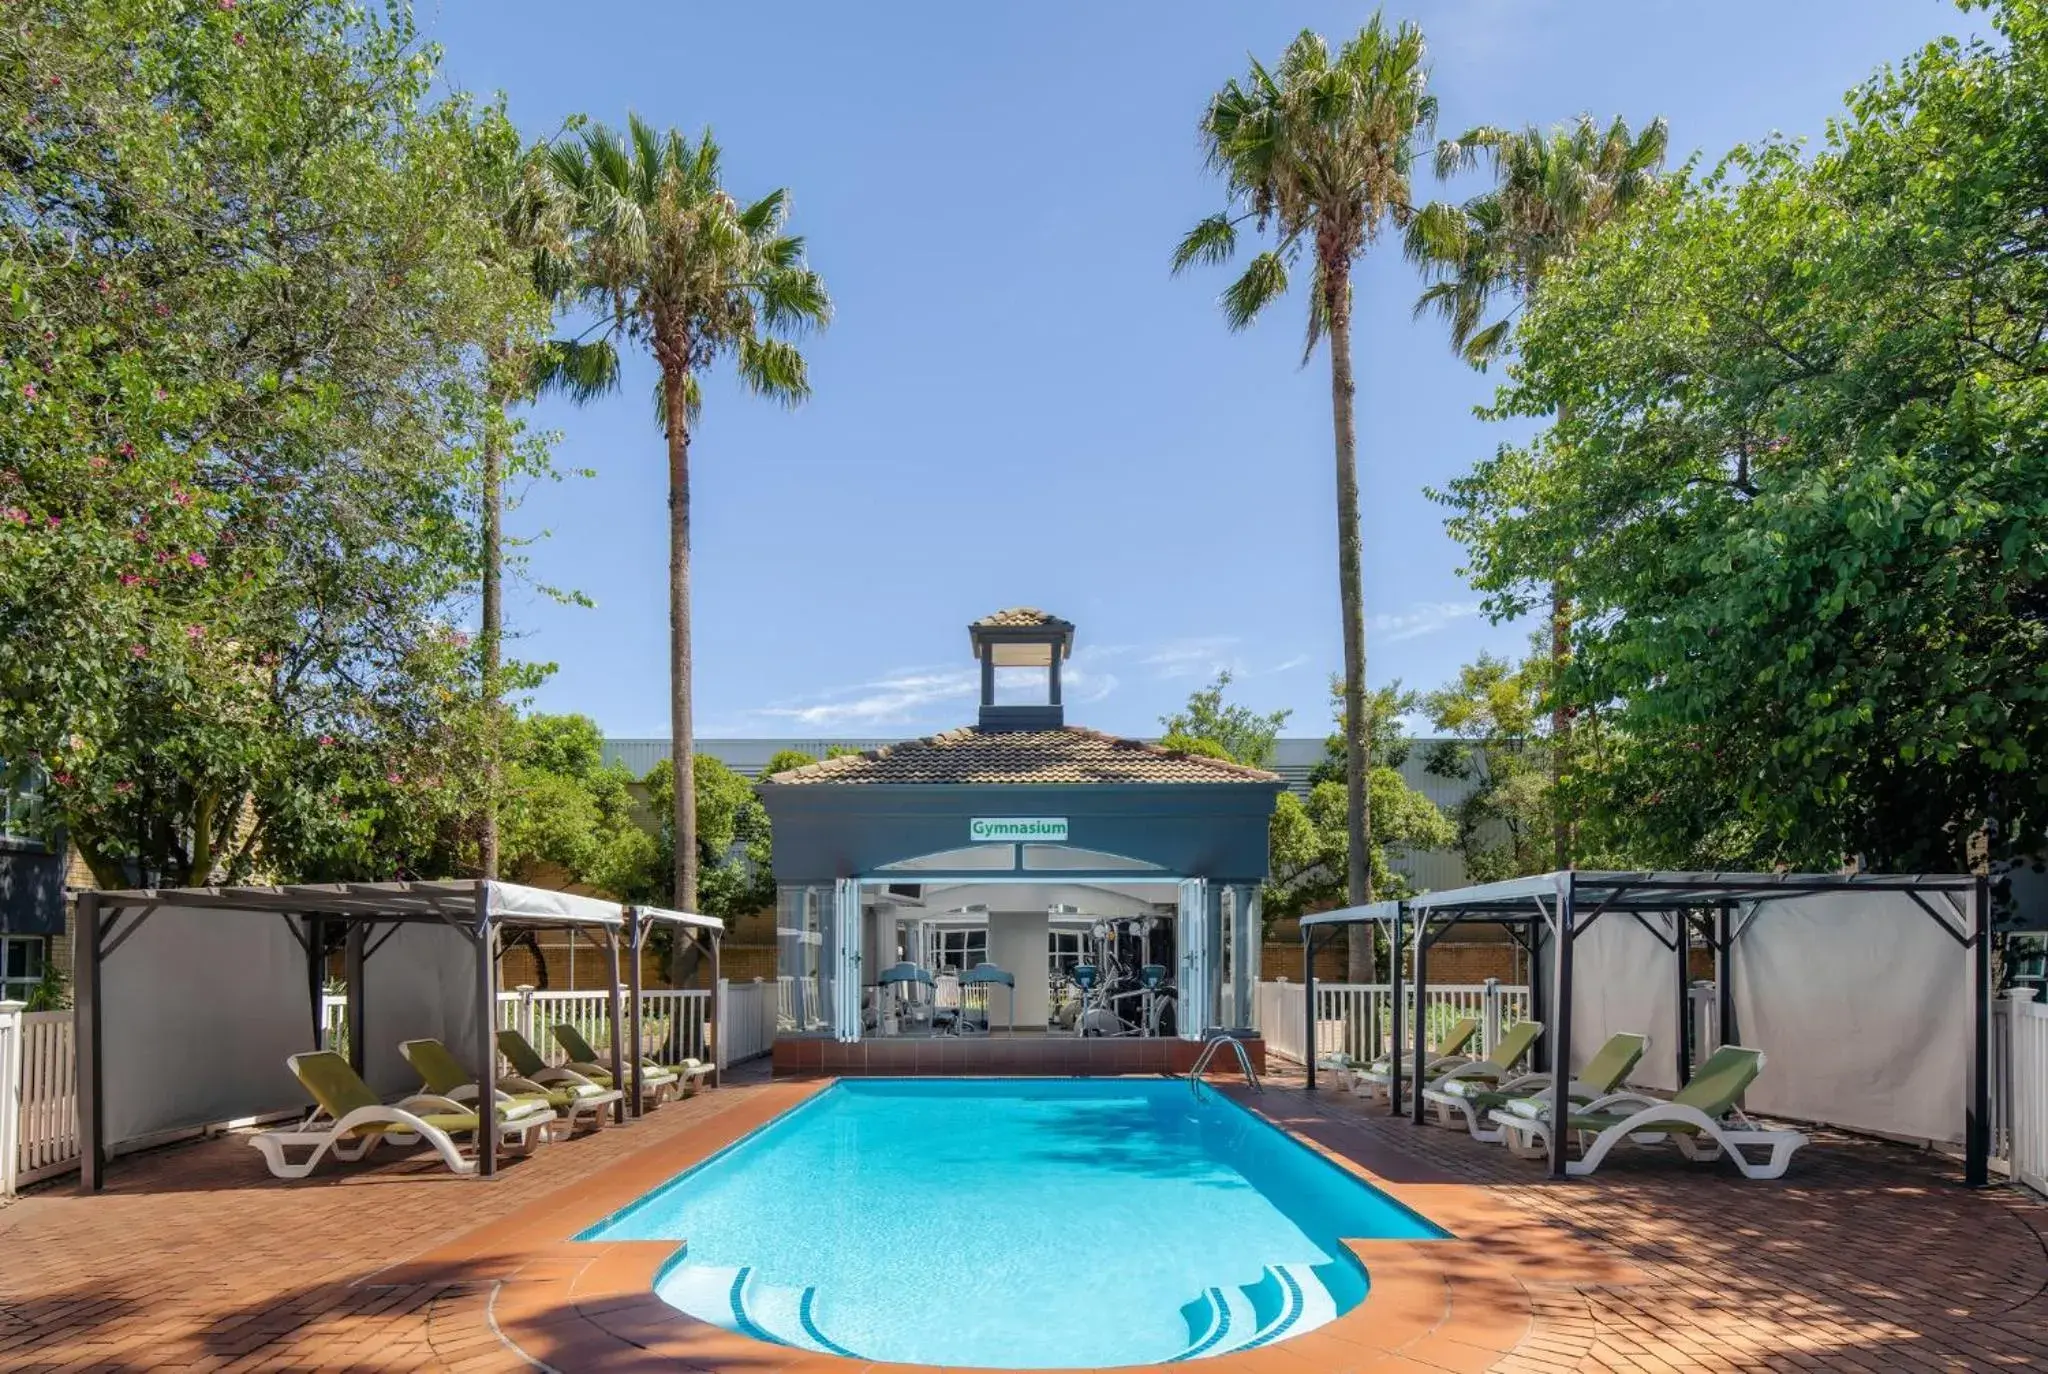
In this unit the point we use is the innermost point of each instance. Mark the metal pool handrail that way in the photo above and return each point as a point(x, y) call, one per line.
point(1244, 1061)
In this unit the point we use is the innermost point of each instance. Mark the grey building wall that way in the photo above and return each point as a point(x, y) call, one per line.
point(1293, 759)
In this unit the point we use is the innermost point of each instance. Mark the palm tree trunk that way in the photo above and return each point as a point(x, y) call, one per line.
point(683, 754)
point(1336, 284)
point(492, 634)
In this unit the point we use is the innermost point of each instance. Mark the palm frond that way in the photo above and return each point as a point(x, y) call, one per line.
point(774, 369)
point(582, 371)
point(767, 213)
point(1264, 281)
point(1211, 241)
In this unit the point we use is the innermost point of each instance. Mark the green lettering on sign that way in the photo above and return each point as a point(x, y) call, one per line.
point(997, 829)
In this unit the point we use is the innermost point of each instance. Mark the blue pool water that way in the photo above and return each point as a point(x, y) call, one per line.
point(1015, 1223)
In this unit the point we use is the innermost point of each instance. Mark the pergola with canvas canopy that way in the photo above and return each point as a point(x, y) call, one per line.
point(192, 1025)
point(705, 932)
point(1874, 990)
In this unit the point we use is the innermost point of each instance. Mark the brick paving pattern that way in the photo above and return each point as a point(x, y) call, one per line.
point(1865, 1257)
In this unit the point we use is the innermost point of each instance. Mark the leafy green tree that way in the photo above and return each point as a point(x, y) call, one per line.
point(1492, 715)
point(1798, 457)
point(1319, 150)
point(785, 759)
point(671, 260)
point(1308, 840)
point(240, 384)
point(1553, 189)
point(1229, 731)
point(733, 841)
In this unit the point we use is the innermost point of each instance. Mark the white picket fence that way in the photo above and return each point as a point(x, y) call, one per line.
point(746, 1020)
point(38, 1096)
point(39, 1073)
point(2020, 1089)
point(1357, 1019)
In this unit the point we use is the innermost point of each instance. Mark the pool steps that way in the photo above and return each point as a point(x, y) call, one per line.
point(744, 1303)
point(1284, 1300)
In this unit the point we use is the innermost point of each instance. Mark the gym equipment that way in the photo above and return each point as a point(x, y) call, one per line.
point(988, 976)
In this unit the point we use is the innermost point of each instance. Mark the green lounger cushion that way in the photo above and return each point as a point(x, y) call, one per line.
point(1516, 1041)
point(339, 1090)
point(1454, 1042)
point(1714, 1089)
point(443, 1073)
point(577, 1048)
point(1603, 1073)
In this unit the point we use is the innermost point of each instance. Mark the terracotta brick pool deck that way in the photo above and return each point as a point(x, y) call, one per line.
point(1865, 1257)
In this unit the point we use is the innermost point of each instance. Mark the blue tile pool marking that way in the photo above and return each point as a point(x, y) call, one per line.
point(1040, 1223)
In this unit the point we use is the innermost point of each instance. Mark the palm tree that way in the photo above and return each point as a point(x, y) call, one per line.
point(674, 262)
point(1552, 190)
point(532, 229)
point(1319, 151)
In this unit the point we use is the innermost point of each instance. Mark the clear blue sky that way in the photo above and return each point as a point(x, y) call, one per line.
point(1016, 405)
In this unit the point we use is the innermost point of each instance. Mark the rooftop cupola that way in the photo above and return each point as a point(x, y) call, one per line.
point(1022, 648)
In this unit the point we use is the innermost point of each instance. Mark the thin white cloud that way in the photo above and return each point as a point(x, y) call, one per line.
point(1288, 665)
point(1425, 618)
point(893, 698)
point(1198, 657)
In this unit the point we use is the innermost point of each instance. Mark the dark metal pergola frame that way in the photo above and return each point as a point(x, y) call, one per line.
point(1707, 904)
point(365, 915)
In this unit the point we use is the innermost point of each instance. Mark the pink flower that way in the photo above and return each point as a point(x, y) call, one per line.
point(196, 559)
point(104, 285)
point(124, 788)
point(129, 579)
point(138, 651)
point(195, 632)
point(181, 496)
point(162, 311)
point(52, 522)
point(327, 742)
point(14, 514)
point(97, 463)
point(227, 4)
point(62, 779)
point(125, 449)
point(28, 391)
point(394, 778)
point(160, 393)
point(459, 640)
point(240, 41)
point(49, 336)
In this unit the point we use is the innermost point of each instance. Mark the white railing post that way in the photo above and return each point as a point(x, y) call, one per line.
point(721, 1013)
point(10, 1095)
point(523, 1016)
point(1489, 1014)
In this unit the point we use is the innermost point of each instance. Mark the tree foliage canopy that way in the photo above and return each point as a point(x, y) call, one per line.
point(248, 287)
point(1801, 466)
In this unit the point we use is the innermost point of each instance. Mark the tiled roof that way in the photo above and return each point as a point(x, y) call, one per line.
point(1021, 756)
point(1019, 618)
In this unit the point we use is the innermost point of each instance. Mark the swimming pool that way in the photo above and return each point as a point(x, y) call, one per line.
point(1015, 1223)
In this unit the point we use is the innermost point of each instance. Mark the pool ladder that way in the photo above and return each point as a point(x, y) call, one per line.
point(1244, 1061)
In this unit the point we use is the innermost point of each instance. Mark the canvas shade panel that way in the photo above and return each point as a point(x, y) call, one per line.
point(199, 1009)
point(1861, 1004)
point(421, 982)
point(1625, 978)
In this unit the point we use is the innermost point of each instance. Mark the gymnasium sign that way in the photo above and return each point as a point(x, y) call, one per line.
point(997, 829)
